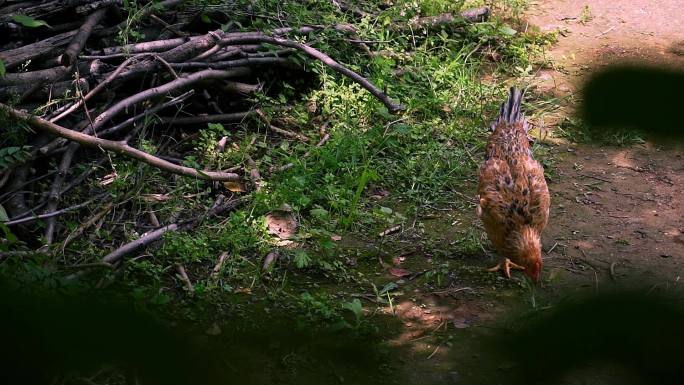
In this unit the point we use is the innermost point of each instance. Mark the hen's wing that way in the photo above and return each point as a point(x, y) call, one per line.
point(513, 194)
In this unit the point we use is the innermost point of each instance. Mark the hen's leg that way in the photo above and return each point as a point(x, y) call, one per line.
point(506, 265)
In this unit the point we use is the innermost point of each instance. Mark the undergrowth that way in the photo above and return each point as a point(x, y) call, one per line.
point(376, 171)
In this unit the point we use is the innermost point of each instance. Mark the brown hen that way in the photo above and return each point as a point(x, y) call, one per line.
point(513, 197)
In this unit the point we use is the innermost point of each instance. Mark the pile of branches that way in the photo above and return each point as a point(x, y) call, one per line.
point(72, 85)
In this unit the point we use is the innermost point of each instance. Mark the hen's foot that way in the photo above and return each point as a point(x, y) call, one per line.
point(506, 265)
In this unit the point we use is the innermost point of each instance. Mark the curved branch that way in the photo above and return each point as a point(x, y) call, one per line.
point(318, 55)
point(118, 147)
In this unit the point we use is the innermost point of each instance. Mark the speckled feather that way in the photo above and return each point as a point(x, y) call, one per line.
point(514, 199)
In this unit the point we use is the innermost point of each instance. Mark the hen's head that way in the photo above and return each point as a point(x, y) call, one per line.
point(529, 253)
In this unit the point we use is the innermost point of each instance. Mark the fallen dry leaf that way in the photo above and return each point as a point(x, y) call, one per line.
point(243, 290)
point(281, 224)
point(336, 237)
point(234, 186)
point(399, 272)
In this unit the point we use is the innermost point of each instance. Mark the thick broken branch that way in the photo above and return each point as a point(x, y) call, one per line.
point(79, 40)
point(14, 57)
point(118, 147)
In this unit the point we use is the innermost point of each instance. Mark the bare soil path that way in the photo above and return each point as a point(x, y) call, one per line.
point(614, 207)
point(617, 212)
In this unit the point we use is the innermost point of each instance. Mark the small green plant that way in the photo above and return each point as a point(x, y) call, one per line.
point(128, 32)
point(12, 155)
point(586, 16)
point(356, 308)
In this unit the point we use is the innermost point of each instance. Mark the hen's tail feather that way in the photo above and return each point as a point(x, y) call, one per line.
point(510, 110)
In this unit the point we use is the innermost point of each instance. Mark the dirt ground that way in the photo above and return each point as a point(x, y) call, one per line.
point(617, 216)
point(619, 209)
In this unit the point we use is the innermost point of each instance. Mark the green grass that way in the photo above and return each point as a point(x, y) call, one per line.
point(577, 131)
point(420, 156)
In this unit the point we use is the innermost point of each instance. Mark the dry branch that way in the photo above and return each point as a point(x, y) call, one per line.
point(175, 85)
point(143, 241)
point(219, 264)
point(318, 55)
point(250, 61)
point(118, 147)
point(473, 15)
point(184, 277)
point(148, 112)
point(40, 90)
point(155, 235)
point(103, 84)
point(203, 119)
point(254, 174)
point(79, 40)
point(90, 222)
point(14, 57)
point(52, 214)
point(54, 195)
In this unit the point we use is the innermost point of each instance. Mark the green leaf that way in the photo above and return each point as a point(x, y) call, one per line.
point(355, 307)
point(28, 21)
point(3, 214)
point(2, 69)
point(11, 238)
point(506, 30)
point(389, 287)
point(205, 19)
point(301, 259)
point(319, 213)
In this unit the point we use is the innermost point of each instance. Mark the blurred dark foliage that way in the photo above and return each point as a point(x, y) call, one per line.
point(51, 333)
point(46, 333)
point(647, 98)
point(643, 334)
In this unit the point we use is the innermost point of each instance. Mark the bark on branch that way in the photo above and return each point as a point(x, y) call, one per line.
point(175, 85)
point(79, 40)
point(118, 147)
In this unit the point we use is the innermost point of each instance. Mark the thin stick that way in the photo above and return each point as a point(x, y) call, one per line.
point(132, 120)
point(612, 271)
point(54, 195)
point(143, 241)
point(434, 352)
point(551, 249)
point(222, 118)
point(184, 277)
point(91, 221)
point(52, 214)
point(286, 133)
point(254, 173)
point(219, 264)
